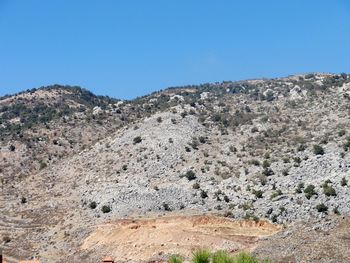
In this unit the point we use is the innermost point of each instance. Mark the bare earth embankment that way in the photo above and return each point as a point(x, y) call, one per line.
point(136, 240)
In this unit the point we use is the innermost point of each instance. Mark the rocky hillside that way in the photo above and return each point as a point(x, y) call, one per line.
point(274, 149)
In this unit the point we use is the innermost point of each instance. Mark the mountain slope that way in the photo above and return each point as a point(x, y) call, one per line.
point(274, 149)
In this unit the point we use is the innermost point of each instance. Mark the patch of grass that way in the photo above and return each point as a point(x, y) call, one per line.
point(222, 257)
point(201, 256)
point(175, 259)
point(245, 257)
point(205, 256)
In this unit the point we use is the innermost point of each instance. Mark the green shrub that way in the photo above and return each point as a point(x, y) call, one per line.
point(344, 182)
point(196, 186)
point(322, 208)
point(137, 139)
point(175, 259)
point(204, 194)
point(328, 190)
point(201, 256)
point(254, 162)
point(341, 133)
point(310, 191)
point(166, 207)
point(43, 165)
point(268, 172)
point(275, 194)
point(318, 150)
point(301, 148)
point(93, 205)
point(106, 209)
point(266, 164)
point(23, 200)
point(190, 175)
point(336, 210)
point(257, 193)
point(300, 188)
point(12, 148)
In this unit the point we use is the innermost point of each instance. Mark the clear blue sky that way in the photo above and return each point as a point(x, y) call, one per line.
point(129, 48)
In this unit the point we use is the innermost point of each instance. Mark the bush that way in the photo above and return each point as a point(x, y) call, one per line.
point(328, 190)
point(23, 200)
point(204, 194)
point(12, 148)
point(43, 165)
point(106, 209)
point(318, 150)
point(344, 182)
point(6, 239)
point(266, 164)
point(159, 119)
point(137, 139)
point(268, 172)
point(341, 133)
point(166, 207)
point(93, 205)
point(275, 194)
point(175, 259)
point(310, 191)
point(301, 148)
point(196, 186)
point(322, 208)
point(257, 193)
point(255, 162)
point(190, 175)
point(201, 256)
point(202, 139)
point(300, 188)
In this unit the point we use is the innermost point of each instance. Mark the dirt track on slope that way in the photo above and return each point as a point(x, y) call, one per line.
point(138, 240)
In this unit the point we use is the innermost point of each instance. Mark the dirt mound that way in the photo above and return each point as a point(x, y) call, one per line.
point(137, 240)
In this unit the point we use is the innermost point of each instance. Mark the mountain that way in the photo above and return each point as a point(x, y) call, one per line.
point(265, 149)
